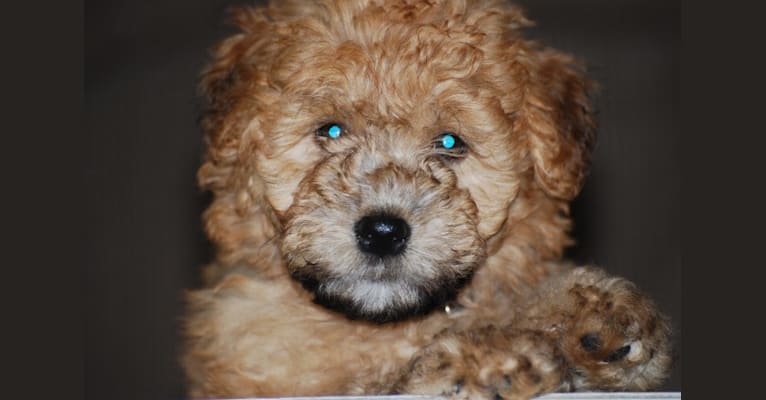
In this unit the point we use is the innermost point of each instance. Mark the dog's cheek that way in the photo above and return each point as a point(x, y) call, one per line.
point(318, 238)
point(492, 189)
point(283, 170)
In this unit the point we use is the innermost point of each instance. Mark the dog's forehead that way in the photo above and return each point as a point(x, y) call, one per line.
point(397, 70)
point(390, 77)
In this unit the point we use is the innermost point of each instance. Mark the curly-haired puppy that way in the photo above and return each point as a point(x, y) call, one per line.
point(391, 183)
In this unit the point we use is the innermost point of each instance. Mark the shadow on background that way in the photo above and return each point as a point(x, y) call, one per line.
point(145, 237)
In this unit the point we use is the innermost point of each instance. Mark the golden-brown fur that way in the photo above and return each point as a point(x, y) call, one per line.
point(292, 307)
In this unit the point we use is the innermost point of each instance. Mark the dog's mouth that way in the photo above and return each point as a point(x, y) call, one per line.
point(382, 268)
point(389, 271)
point(381, 242)
point(379, 299)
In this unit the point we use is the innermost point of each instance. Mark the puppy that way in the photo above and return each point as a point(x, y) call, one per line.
point(391, 183)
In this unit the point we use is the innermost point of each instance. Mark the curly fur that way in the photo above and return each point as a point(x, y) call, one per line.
point(292, 307)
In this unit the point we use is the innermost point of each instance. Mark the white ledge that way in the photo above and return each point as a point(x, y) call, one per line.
point(552, 396)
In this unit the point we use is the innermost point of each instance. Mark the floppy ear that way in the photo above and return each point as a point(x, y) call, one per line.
point(558, 119)
point(238, 221)
point(225, 84)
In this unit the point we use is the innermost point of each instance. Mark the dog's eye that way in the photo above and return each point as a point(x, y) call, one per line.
point(449, 141)
point(332, 130)
point(450, 145)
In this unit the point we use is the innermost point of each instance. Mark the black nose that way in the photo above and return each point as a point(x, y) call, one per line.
point(382, 235)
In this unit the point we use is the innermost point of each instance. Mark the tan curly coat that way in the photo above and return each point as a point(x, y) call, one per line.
point(479, 304)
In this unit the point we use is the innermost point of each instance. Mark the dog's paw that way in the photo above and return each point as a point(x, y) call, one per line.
point(486, 363)
point(617, 340)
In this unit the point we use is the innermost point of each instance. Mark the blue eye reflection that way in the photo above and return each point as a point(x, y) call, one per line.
point(334, 131)
point(448, 141)
point(450, 146)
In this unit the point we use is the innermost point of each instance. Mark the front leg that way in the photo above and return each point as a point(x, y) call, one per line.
point(486, 363)
point(612, 335)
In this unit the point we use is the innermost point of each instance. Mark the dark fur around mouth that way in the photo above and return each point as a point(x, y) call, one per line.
point(446, 292)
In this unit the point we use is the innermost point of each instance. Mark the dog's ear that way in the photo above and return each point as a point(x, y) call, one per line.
point(238, 221)
point(225, 85)
point(557, 116)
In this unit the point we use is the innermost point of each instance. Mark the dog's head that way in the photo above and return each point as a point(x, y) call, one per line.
point(382, 144)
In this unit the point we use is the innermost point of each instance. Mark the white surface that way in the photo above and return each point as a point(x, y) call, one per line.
point(620, 396)
point(552, 396)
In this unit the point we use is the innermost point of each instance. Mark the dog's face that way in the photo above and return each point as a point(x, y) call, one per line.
point(386, 143)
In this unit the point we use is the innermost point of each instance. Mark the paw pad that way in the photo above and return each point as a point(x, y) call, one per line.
point(458, 386)
point(618, 354)
point(590, 342)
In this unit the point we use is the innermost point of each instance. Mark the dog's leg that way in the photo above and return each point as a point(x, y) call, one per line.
point(581, 330)
point(611, 335)
point(486, 363)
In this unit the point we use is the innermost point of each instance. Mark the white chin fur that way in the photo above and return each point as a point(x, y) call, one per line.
point(376, 296)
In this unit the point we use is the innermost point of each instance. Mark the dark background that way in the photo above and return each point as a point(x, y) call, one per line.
point(145, 243)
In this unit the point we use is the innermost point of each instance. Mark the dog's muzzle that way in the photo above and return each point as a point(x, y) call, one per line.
point(381, 239)
point(382, 235)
